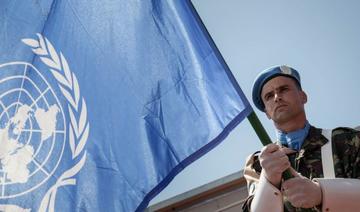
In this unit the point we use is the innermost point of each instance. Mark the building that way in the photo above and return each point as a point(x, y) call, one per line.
point(226, 194)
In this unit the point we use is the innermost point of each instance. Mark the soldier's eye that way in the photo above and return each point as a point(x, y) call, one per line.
point(283, 89)
point(268, 96)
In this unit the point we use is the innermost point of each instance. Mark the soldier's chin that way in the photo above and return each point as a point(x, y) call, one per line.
point(281, 117)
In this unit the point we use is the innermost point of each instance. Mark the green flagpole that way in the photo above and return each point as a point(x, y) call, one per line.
point(259, 129)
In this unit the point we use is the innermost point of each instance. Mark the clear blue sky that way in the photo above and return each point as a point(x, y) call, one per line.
point(319, 38)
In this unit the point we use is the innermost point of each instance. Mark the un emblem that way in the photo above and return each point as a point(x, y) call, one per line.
point(34, 131)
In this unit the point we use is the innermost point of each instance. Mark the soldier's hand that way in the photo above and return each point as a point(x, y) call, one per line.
point(274, 162)
point(301, 192)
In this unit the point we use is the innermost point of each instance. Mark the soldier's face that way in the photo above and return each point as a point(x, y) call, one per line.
point(283, 100)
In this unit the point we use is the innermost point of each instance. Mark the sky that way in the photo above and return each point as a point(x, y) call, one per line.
point(319, 38)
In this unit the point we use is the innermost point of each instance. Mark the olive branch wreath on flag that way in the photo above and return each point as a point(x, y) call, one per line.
point(78, 128)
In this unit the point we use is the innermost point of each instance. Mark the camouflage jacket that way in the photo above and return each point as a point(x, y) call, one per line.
point(307, 161)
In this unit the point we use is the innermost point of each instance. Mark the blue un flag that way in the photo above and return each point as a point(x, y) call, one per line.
point(102, 103)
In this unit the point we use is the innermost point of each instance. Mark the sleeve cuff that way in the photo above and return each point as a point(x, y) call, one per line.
point(267, 197)
point(340, 194)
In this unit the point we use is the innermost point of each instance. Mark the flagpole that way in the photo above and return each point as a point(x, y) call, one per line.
point(259, 129)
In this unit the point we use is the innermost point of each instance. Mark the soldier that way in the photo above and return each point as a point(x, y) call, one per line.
point(325, 164)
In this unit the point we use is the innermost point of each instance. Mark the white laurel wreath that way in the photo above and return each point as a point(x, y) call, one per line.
point(78, 128)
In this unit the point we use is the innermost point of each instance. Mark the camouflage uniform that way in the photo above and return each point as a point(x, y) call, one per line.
point(307, 161)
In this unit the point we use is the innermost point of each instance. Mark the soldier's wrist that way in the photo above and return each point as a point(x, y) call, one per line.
point(274, 180)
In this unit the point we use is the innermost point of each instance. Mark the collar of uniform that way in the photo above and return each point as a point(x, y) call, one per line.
point(314, 140)
point(295, 139)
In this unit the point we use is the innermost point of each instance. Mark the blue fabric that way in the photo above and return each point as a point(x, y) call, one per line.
point(295, 139)
point(102, 108)
point(267, 75)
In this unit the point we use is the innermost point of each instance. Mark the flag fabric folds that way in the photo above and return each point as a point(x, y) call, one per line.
point(102, 103)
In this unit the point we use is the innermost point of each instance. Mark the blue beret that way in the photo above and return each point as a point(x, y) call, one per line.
point(267, 75)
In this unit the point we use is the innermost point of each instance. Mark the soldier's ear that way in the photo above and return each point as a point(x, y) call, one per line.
point(303, 97)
